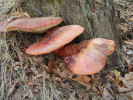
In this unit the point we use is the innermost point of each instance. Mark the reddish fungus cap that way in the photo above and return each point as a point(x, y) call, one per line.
point(55, 39)
point(87, 57)
point(35, 25)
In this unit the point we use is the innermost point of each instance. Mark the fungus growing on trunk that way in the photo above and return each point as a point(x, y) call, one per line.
point(87, 57)
point(55, 39)
point(35, 25)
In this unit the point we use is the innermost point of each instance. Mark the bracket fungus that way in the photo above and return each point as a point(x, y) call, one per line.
point(55, 39)
point(87, 57)
point(34, 25)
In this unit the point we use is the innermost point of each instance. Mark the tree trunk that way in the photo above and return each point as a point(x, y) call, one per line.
point(96, 16)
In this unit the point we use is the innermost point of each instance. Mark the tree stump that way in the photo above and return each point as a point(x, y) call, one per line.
point(96, 16)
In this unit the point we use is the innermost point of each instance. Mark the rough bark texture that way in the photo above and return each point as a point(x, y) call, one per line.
point(96, 16)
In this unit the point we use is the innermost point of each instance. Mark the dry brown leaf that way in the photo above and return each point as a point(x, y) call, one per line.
point(10, 68)
point(94, 89)
point(50, 70)
point(82, 79)
point(129, 42)
point(56, 78)
point(16, 13)
point(106, 95)
point(126, 60)
point(93, 10)
point(95, 80)
point(66, 85)
point(64, 73)
point(72, 96)
point(129, 97)
point(17, 64)
point(38, 60)
point(123, 28)
point(26, 14)
point(52, 65)
point(29, 82)
point(24, 56)
point(128, 82)
point(2, 34)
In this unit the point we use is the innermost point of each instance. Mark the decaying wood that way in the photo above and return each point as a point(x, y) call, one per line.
point(96, 16)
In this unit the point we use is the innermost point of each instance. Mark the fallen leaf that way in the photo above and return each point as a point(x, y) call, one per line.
point(128, 97)
point(82, 79)
point(106, 95)
point(29, 82)
point(2, 34)
point(94, 89)
point(126, 60)
point(17, 64)
point(10, 68)
point(129, 42)
point(16, 13)
point(72, 96)
point(51, 65)
point(56, 78)
point(16, 68)
point(123, 28)
point(128, 82)
point(26, 14)
point(38, 60)
point(66, 85)
point(93, 10)
point(95, 80)
point(65, 73)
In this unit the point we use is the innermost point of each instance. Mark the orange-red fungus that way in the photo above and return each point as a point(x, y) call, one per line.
point(55, 39)
point(35, 25)
point(87, 57)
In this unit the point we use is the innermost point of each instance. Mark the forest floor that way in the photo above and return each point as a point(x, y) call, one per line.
point(46, 77)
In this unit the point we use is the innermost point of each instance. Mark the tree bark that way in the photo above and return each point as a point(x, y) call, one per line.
point(96, 16)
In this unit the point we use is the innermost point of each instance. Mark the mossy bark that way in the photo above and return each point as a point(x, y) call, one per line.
point(96, 16)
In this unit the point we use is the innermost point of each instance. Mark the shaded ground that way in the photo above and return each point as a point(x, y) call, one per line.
point(47, 77)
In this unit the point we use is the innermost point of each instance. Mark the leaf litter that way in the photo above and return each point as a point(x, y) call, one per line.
point(43, 77)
